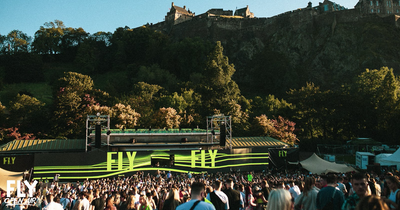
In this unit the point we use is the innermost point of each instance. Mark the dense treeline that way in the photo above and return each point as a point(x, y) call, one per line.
point(143, 79)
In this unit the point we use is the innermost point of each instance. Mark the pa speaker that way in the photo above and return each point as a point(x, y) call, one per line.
point(222, 135)
point(97, 136)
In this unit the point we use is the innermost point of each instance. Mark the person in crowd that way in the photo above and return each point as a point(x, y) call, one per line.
point(218, 198)
point(347, 183)
point(372, 202)
point(196, 202)
point(308, 198)
point(394, 196)
point(341, 185)
point(129, 204)
point(240, 188)
point(65, 201)
point(329, 195)
point(144, 205)
point(359, 182)
point(98, 202)
point(280, 199)
point(265, 190)
point(172, 200)
point(117, 200)
point(52, 205)
point(294, 190)
point(234, 197)
point(249, 199)
point(110, 203)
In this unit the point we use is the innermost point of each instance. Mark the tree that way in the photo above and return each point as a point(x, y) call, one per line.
point(17, 41)
point(155, 75)
point(269, 106)
point(70, 41)
point(3, 44)
point(376, 92)
point(124, 116)
point(166, 118)
point(22, 110)
point(93, 54)
point(143, 99)
point(48, 38)
point(186, 104)
point(308, 108)
point(2, 115)
point(74, 93)
point(279, 128)
point(217, 88)
point(187, 57)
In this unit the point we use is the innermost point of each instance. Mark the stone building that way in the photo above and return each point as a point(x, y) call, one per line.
point(178, 15)
point(383, 7)
point(244, 12)
point(329, 6)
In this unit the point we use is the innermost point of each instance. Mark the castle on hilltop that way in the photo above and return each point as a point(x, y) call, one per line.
point(191, 24)
point(178, 14)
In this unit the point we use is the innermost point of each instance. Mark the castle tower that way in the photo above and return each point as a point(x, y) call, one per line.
point(178, 15)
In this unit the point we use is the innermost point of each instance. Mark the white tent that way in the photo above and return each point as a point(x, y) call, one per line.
point(317, 165)
point(380, 158)
point(9, 175)
point(393, 159)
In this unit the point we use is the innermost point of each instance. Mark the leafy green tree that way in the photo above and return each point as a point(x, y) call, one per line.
point(143, 99)
point(166, 118)
point(376, 93)
point(141, 46)
point(3, 44)
point(74, 94)
point(70, 41)
point(48, 38)
point(93, 54)
point(217, 88)
point(308, 107)
point(18, 42)
point(270, 106)
point(186, 104)
point(155, 75)
point(187, 57)
point(22, 110)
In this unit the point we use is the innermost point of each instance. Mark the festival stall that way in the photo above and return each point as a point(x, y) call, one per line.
point(393, 159)
point(317, 165)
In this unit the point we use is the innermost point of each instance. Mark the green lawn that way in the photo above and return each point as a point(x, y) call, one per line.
point(41, 91)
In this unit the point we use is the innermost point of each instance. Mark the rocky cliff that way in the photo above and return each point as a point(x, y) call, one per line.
point(285, 51)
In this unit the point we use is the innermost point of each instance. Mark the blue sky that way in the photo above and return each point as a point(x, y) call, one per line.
point(107, 15)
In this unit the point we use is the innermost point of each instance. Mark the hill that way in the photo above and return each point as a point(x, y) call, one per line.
point(296, 47)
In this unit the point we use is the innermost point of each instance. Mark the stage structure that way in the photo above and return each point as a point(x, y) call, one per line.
point(97, 123)
point(120, 152)
point(220, 124)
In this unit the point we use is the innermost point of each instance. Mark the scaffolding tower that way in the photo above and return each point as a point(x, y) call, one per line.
point(214, 124)
point(92, 121)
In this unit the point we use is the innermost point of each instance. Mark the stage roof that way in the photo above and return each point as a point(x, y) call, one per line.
point(256, 141)
point(60, 145)
point(38, 145)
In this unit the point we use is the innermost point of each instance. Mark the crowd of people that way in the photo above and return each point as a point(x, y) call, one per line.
point(221, 191)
